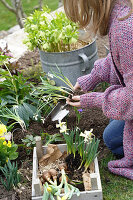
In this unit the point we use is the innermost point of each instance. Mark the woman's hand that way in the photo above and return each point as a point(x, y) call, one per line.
point(75, 101)
point(77, 86)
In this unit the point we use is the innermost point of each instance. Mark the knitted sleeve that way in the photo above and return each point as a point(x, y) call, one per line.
point(117, 101)
point(103, 71)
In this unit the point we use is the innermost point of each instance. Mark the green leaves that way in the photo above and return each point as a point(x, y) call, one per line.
point(3, 58)
point(48, 33)
point(49, 94)
point(16, 101)
point(74, 141)
point(51, 138)
point(11, 175)
point(87, 149)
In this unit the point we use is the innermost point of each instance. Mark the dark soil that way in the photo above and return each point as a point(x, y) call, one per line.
point(90, 118)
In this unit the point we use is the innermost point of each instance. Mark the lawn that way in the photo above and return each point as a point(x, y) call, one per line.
point(114, 187)
point(9, 19)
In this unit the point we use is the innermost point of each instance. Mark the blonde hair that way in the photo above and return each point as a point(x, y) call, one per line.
point(97, 11)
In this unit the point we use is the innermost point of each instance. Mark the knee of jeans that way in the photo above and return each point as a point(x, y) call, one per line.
point(105, 136)
point(107, 139)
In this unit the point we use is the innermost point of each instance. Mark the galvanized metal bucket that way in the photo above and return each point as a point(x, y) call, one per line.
point(73, 64)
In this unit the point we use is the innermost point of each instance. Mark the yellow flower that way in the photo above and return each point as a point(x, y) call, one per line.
point(7, 160)
point(5, 143)
point(2, 129)
point(9, 144)
point(49, 189)
point(2, 138)
point(64, 198)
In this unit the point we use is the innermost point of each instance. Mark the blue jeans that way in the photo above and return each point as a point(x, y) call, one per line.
point(113, 136)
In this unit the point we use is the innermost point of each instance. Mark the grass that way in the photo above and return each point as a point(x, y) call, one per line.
point(114, 187)
point(9, 19)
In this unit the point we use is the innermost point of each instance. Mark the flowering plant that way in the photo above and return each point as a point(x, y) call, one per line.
point(50, 33)
point(85, 144)
point(7, 147)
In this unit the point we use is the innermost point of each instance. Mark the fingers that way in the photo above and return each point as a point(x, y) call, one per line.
point(75, 98)
point(75, 104)
point(77, 86)
point(75, 101)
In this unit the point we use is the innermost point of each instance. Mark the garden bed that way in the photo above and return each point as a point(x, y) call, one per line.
point(90, 118)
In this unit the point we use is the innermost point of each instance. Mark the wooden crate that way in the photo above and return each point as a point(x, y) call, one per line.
point(94, 194)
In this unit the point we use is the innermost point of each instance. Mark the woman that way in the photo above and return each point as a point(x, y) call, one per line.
point(115, 19)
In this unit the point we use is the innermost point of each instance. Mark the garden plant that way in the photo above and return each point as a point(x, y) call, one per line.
point(50, 33)
point(17, 102)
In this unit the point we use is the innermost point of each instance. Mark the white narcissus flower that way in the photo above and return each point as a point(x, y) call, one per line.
point(87, 135)
point(43, 120)
point(60, 124)
point(77, 128)
point(63, 127)
point(50, 75)
point(35, 117)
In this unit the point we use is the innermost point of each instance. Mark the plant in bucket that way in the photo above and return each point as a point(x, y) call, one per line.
point(59, 43)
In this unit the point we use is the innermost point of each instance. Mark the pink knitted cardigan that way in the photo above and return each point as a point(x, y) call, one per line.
point(117, 101)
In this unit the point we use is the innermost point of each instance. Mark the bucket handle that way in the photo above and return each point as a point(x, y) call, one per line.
point(86, 61)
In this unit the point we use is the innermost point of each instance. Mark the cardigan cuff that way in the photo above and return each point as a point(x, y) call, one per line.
point(93, 99)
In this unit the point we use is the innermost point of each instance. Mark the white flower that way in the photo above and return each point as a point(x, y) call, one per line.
point(35, 117)
point(63, 127)
point(60, 124)
point(8, 136)
point(77, 128)
point(87, 135)
point(43, 120)
point(50, 75)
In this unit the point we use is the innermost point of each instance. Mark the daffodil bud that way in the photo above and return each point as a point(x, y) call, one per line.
point(64, 198)
point(49, 189)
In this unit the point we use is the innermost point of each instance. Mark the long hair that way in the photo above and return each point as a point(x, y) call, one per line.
point(95, 11)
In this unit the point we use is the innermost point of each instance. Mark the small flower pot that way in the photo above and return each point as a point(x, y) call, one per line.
point(94, 194)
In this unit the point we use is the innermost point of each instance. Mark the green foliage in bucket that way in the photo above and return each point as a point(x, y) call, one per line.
point(50, 33)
